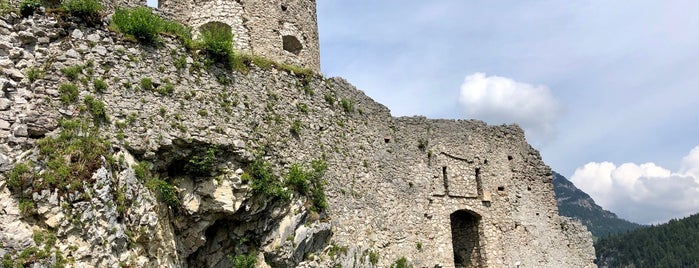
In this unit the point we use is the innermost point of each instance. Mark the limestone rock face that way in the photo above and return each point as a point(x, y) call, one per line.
point(439, 193)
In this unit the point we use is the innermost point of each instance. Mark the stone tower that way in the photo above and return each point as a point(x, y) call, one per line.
point(281, 30)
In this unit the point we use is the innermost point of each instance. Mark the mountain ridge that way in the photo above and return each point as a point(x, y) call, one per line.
point(573, 202)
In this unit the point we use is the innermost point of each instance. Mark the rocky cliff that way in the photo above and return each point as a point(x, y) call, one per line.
point(116, 154)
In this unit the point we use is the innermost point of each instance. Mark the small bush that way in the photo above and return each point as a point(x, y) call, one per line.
point(166, 192)
point(5, 7)
point(347, 105)
point(262, 180)
point(217, 40)
point(18, 176)
point(401, 263)
point(295, 127)
point(99, 85)
point(374, 257)
point(184, 33)
point(27, 7)
point(309, 183)
point(34, 74)
point(72, 72)
point(180, 62)
point(26, 206)
point(142, 171)
point(146, 84)
point(85, 9)
point(245, 261)
point(69, 93)
point(297, 179)
point(329, 98)
point(302, 107)
point(167, 89)
point(139, 22)
point(96, 109)
point(203, 164)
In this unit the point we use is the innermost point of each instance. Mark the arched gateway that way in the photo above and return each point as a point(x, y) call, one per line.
point(465, 236)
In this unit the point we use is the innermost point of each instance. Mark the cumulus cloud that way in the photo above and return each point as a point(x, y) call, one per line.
point(645, 193)
point(501, 100)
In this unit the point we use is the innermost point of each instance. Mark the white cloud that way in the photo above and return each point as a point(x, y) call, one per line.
point(645, 193)
point(501, 100)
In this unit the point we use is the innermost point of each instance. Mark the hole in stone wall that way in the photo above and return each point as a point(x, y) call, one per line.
point(465, 239)
point(292, 44)
point(445, 180)
point(284, 8)
point(509, 157)
point(387, 139)
point(501, 188)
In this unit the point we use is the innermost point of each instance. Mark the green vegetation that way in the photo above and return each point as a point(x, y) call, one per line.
point(673, 244)
point(302, 107)
point(96, 109)
point(43, 254)
point(262, 180)
point(27, 7)
point(164, 190)
point(295, 127)
point(203, 164)
point(374, 257)
point(86, 9)
point(309, 183)
point(146, 84)
point(329, 98)
point(141, 24)
point(69, 160)
point(422, 144)
point(34, 74)
point(347, 105)
point(69, 93)
point(99, 85)
point(217, 41)
point(180, 62)
point(72, 72)
point(335, 250)
point(167, 89)
point(245, 261)
point(4, 7)
point(401, 263)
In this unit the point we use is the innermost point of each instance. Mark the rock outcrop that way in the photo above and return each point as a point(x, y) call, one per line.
point(194, 167)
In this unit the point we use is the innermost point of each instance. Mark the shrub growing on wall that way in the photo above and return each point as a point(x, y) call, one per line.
point(217, 40)
point(139, 22)
point(86, 9)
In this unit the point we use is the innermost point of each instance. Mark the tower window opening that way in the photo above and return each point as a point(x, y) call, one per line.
point(292, 44)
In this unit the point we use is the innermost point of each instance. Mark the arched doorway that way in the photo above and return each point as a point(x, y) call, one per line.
point(465, 237)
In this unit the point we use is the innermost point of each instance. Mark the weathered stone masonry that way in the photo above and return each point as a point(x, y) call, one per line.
point(282, 30)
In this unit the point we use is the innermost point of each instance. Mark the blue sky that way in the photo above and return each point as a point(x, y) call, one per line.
point(592, 82)
point(606, 90)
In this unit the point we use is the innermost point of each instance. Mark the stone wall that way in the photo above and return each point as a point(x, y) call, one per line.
point(285, 31)
point(397, 187)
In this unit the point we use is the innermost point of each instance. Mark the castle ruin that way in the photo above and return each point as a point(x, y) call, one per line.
point(284, 31)
point(443, 193)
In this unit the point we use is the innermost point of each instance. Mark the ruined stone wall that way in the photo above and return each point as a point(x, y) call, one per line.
point(397, 187)
point(267, 28)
